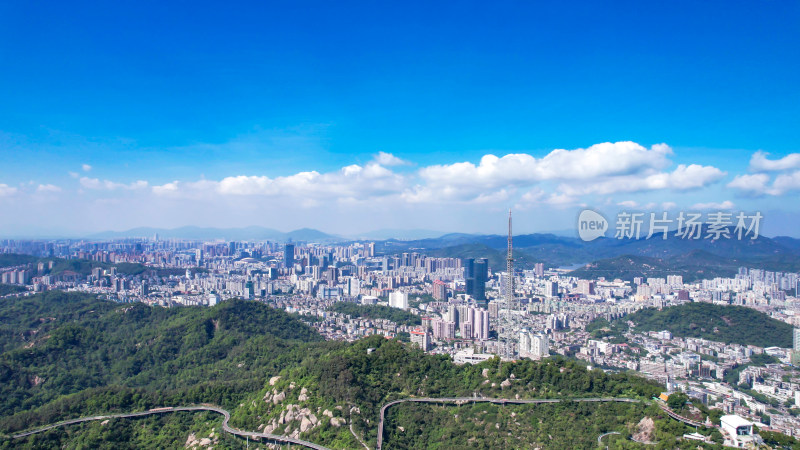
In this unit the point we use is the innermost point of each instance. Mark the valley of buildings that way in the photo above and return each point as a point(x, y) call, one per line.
point(460, 303)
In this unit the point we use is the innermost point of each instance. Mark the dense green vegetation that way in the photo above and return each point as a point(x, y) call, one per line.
point(13, 259)
point(490, 426)
point(70, 355)
point(167, 431)
point(353, 376)
point(693, 266)
point(373, 312)
point(722, 323)
point(779, 440)
point(6, 289)
point(74, 343)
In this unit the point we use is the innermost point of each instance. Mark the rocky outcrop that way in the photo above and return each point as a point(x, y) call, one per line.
point(274, 396)
point(645, 430)
point(338, 421)
point(194, 442)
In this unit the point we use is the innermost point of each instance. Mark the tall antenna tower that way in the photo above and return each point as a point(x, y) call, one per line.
point(510, 307)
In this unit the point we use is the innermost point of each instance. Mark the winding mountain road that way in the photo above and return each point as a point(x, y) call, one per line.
point(501, 401)
point(290, 440)
point(226, 417)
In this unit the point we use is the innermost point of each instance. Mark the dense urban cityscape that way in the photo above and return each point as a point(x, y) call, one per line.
point(451, 306)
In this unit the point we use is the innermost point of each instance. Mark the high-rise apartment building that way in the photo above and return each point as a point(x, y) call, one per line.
point(440, 290)
point(398, 299)
point(288, 256)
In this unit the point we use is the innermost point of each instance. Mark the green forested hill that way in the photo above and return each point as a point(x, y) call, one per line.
point(6, 289)
point(354, 376)
point(729, 324)
point(58, 344)
point(692, 266)
point(396, 315)
point(69, 355)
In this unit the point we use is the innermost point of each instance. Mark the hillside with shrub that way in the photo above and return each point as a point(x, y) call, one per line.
point(722, 323)
point(70, 355)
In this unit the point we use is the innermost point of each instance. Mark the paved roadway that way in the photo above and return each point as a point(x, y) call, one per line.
point(685, 420)
point(501, 401)
point(600, 438)
point(225, 426)
point(290, 440)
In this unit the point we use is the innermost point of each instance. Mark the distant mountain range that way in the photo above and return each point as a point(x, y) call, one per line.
point(612, 258)
point(233, 234)
point(396, 233)
point(263, 233)
point(615, 258)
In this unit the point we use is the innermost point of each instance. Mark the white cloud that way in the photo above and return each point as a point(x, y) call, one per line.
point(560, 179)
point(600, 160)
point(388, 160)
point(668, 205)
point(74, 174)
point(727, 204)
point(353, 181)
point(535, 195)
point(86, 167)
point(599, 169)
point(786, 182)
point(755, 184)
point(97, 184)
point(538, 196)
point(628, 204)
point(168, 188)
point(561, 200)
point(758, 184)
point(760, 163)
point(683, 178)
point(493, 197)
point(48, 188)
point(6, 190)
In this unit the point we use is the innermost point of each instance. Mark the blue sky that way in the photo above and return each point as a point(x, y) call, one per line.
point(165, 102)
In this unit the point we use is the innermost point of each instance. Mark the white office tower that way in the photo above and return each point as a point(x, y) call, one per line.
point(540, 346)
point(213, 299)
point(524, 344)
point(534, 346)
point(480, 328)
point(452, 314)
point(353, 287)
point(398, 299)
point(797, 339)
point(795, 357)
point(550, 289)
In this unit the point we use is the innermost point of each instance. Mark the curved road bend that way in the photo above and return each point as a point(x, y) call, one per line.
point(226, 417)
point(600, 438)
point(501, 401)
